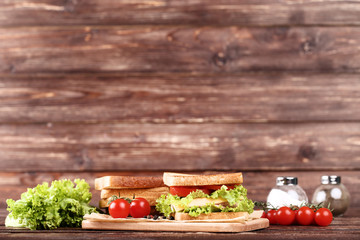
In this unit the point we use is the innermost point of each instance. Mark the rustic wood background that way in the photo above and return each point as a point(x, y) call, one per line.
point(98, 87)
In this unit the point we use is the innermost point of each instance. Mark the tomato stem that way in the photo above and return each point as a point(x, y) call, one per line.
point(268, 206)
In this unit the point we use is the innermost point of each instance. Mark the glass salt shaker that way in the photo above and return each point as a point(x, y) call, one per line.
point(286, 192)
point(333, 192)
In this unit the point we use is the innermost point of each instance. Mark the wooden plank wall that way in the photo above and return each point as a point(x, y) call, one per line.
point(100, 87)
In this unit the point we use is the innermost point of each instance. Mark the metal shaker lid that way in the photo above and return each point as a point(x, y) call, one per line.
point(331, 179)
point(280, 181)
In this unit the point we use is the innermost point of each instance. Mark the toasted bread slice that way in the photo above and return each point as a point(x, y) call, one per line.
point(103, 203)
point(147, 193)
point(177, 179)
point(138, 192)
point(123, 182)
point(150, 194)
point(211, 216)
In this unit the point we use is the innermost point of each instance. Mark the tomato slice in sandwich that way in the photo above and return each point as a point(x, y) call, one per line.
point(183, 191)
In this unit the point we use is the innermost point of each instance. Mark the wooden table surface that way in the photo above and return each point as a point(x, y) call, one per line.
point(342, 227)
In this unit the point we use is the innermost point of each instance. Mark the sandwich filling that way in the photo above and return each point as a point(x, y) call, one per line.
point(198, 202)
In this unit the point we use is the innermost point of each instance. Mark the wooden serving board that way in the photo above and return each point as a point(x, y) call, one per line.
point(178, 226)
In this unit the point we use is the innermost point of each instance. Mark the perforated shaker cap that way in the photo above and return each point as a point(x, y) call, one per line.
point(280, 181)
point(331, 179)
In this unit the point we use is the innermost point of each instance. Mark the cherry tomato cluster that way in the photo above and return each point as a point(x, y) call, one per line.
point(123, 207)
point(300, 216)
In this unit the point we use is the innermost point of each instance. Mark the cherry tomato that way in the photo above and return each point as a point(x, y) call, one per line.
point(183, 191)
point(264, 215)
point(323, 217)
point(285, 216)
point(305, 216)
point(314, 209)
point(295, 222)
point(271, 215)
point(139, 207)
point(119, 208)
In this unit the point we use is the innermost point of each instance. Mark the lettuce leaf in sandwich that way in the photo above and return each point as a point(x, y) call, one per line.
point(196, 203)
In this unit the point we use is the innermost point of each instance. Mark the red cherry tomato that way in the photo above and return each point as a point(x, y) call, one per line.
point(295, 222)
point(285, 216)
point(264, 215)
point(271, 215)
point(323, 217)
point(183, 191)
point(305, 216)
point(119, 208)
point(139, 207)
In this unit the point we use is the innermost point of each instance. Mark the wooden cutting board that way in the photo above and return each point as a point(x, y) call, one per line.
point(178, 226)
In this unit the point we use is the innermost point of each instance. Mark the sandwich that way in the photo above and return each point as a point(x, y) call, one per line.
point(204, 197)
point(131, 187)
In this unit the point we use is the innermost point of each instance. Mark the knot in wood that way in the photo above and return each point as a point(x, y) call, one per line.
point(308, 46)
point(69, 5)
point(12, 68)
point(306, 153)
point(280, 33)
point(297, 17)
point(219, 59)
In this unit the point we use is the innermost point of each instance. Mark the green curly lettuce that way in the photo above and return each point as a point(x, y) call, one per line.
point(196, 211)
point(166, 204)
point(61, 205)
point(236, 198)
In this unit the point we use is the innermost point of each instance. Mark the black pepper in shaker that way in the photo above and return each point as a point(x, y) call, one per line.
point(332, 193)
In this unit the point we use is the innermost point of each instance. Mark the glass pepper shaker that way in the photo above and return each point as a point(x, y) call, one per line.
point(286, 192)
point(333, 192)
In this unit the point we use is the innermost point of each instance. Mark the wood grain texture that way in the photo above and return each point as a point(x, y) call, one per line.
point(107, 146)
point(178, 49)
point(341, 228)
point(344, 228)
point(203, 12)
point(258, 184)
point(180, 98)
point(178, 227)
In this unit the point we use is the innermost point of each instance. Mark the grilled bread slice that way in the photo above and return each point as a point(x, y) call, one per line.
point(123, 182)
point(177, 179)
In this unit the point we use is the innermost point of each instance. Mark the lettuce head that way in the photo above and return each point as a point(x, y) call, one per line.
point(61, 205)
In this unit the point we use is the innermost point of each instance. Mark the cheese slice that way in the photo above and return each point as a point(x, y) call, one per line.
point(177, 208)
point(199, 202)
point(218, 216)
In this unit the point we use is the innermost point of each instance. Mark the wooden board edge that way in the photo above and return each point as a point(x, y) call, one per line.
point(178, 227)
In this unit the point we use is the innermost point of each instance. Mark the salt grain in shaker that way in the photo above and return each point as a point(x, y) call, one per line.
point(333, 192)
point(286, 192)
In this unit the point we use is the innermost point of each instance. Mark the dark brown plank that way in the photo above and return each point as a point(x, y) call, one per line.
point(257, 183)
point(213, 12)
point(111, 146)
point(178, 49)
point(180, 98)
